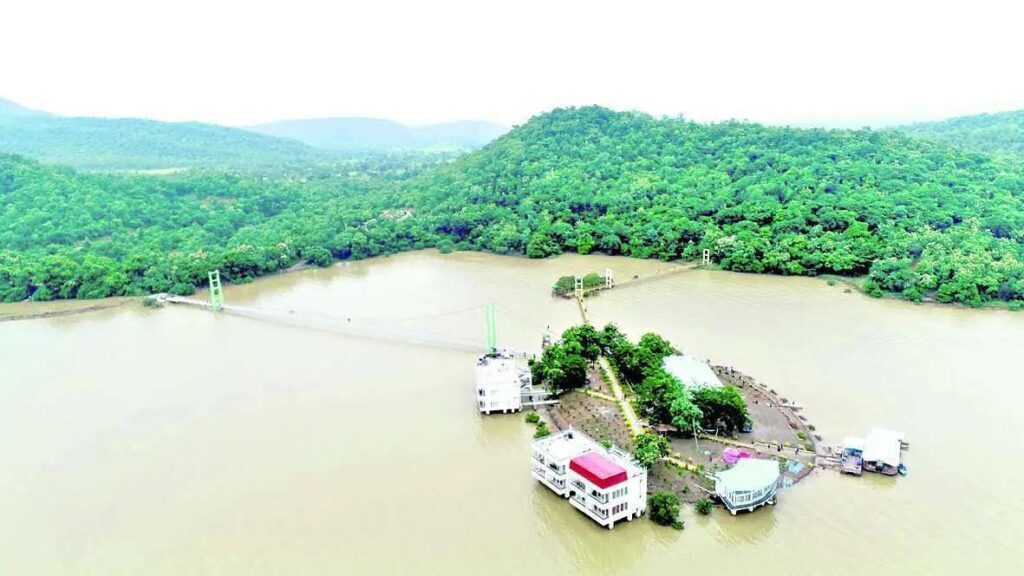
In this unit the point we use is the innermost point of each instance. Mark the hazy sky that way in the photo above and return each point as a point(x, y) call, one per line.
point(819, 62)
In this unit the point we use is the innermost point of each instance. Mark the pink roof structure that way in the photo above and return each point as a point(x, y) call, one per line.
point(599, 470)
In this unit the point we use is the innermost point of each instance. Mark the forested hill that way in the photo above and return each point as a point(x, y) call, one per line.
point(66, 234)
point(923, 219)
point(135, 144)
point(361, 134)
point(1001, 133)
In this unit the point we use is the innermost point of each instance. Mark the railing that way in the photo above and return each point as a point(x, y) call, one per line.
point(554, 482)
point(581, 499)
point(768, 495)
point(602, 498)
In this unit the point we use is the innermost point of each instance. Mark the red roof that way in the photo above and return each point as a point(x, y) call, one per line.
point(599, 470)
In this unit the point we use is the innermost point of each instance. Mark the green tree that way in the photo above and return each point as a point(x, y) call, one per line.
point(721, 407)
point(663, 507)
point(650, 448)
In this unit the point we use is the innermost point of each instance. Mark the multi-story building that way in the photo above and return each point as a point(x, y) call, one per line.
point(605, 484)
point(500, 383)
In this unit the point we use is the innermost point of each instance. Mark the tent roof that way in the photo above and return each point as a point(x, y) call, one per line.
point(691, 372)
point(883, 446)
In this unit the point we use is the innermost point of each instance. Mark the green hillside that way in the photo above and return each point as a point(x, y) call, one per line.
point(362, 134)
point(65, 234)
point(921, 220)
point(134, 144)
point(1001, 133)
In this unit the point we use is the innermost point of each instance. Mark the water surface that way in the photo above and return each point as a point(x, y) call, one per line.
point(175, 441)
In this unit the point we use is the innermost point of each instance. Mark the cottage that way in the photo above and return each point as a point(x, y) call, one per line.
point(691, 372)
point(605, 484)
point(751, 483)
point(882, 451)
point(500, 383)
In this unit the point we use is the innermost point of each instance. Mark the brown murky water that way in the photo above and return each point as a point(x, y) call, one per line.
point(174, 441)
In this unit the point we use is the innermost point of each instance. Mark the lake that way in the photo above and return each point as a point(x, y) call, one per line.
point(177, 441)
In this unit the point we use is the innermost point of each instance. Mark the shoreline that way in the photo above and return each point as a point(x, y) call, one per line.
point(849, 283)
point(71, 310)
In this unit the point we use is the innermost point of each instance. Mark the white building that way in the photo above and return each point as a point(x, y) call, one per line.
point(604, 484)
point(500, 383)
point(691, 372)
point(882, 451)
point(751, 483)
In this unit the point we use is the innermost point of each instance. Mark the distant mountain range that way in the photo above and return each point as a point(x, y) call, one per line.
point(350, 134)
point(999, 133)
point(9, 109)
point(139, 144)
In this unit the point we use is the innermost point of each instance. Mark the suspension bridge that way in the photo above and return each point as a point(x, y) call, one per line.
point(391, 329)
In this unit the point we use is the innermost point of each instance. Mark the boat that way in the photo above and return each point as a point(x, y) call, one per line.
point(902, 469)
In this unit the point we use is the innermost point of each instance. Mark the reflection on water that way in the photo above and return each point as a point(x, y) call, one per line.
point(175, 441)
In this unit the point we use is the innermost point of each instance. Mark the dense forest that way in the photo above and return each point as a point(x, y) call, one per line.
point(1001, 133)
point(65, 234)
point(919, 220)
point(135, 144)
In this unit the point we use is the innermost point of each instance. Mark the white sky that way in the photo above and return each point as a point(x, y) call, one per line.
point(819, 62)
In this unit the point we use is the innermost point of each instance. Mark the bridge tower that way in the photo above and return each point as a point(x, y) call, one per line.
point(492, 331)
point(706, 258)
point(578, 286)
point(609, 278)
point(216, 292)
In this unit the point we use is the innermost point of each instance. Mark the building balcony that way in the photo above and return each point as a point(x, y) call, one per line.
point(590, 492)
point(555, 484)
point(596, 513)
point(560, 470)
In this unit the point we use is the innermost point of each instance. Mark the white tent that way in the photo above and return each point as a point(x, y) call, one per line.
point(691, 372)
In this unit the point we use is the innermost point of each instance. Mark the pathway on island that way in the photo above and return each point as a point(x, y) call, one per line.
point(635, 427)
point(627, 409)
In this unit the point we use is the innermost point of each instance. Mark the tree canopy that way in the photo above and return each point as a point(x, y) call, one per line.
point(1000, 133)
point(925, 220)
point(919, 220)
